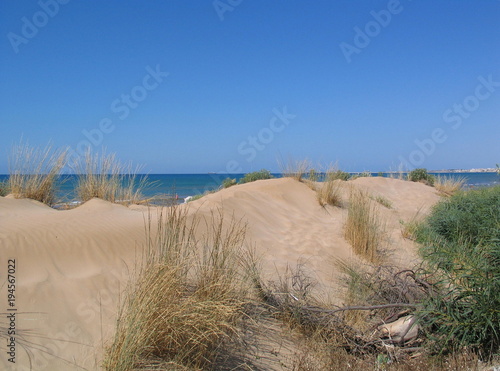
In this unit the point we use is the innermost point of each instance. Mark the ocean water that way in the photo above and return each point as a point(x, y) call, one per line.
point(181, 186)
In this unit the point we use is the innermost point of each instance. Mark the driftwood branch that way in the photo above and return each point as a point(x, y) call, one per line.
point(361, 307)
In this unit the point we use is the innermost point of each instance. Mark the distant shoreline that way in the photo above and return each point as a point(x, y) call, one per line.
point(485, 170)
point(478, 170)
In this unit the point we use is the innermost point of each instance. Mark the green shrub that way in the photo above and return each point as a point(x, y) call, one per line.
point(337, 174)
point(228, 182)
point(313, 175)
point(471, 217)
point(421, 175)
point(256, 175)
point(461, 242)
point(4, 188)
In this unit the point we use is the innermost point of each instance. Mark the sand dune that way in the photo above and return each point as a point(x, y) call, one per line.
point(72, 265)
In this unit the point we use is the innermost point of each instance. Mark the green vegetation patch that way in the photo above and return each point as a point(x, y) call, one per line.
point(228, 182)
point(256, 175)
point(4, 188)
point(461, 247)
point(421, 175)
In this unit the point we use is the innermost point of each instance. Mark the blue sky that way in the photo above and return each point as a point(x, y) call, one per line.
point(231, 85)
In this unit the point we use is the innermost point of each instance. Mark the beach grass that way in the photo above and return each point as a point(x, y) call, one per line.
point(185, 305)
point(334, 174)
point(34, 172)
point(401, 173)
point(363, 228)
point(102, 176)
point(329, 192)
point(296, 169)
point(328, 185)
point(448, 186)
point(384, 201)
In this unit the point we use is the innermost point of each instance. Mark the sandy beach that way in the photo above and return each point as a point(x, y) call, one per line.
point(72, 266)
point(249, 185)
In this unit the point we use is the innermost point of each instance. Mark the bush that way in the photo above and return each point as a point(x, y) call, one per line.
point(421, 175)
point(337, 174)
point(470, 218)
point(462, 250)
point(313, 175)
point(228, 182)
point(256, 175)
point(4, 188)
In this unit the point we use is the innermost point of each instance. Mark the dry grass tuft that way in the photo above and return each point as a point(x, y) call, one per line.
point(34, 172)
point(410, 227)
point(187, 301)
point(294, 169)
point(104, 177)
point(329, 192)
point(383, 201)
point(363, 228)
point(448, 186)
point(401, 173)
point(332, 357)
point(357, 292)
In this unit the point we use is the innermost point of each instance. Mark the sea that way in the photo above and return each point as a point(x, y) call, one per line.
point(181, 186)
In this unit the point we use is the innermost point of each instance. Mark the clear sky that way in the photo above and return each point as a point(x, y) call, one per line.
point(230, 85)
